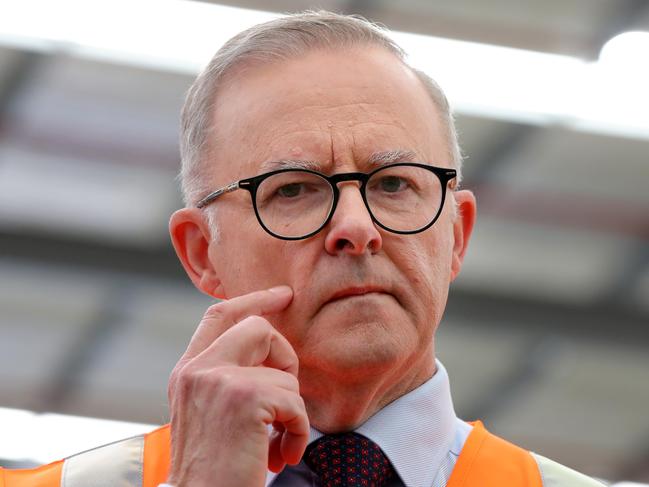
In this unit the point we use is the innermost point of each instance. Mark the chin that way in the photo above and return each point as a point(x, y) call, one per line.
point(362, 349)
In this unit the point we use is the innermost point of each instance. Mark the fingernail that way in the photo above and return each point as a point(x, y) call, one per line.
point(281, 290)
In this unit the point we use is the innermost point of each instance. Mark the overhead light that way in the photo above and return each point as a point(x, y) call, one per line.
point(486, 80)
point(614, 90)
point(628, 50)
point(169, 34)
point(496, 81)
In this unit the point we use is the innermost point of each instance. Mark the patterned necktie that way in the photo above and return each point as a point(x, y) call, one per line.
point(348, 459)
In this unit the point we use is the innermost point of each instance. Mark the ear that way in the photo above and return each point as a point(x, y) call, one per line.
point(462, 228)
point(191, 237)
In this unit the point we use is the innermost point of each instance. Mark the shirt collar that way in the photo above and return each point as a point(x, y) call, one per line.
point(416, 431)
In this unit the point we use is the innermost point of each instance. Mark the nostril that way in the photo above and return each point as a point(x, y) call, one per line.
point(343, 243)
point(374, 245)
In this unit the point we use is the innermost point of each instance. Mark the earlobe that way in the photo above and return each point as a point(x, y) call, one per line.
point(190, 236)
point(462, 228)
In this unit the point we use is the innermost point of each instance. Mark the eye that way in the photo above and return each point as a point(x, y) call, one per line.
point(392, 184)
point(290, 190)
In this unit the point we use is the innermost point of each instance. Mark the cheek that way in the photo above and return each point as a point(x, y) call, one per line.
point(429, 259)
point(422, 273)
point(247, 259)
point(268, 264)
point(427, 268)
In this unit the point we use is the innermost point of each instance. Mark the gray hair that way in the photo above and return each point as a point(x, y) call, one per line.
point(280, 39)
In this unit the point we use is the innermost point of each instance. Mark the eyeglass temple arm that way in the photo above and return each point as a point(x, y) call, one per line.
point(215, 194)
point(451, 176)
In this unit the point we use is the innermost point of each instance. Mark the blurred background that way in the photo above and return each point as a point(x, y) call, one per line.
point(546, 335)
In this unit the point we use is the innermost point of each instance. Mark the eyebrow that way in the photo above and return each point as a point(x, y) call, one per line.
point(377, 159)
point(384, 158)
point(290, 164)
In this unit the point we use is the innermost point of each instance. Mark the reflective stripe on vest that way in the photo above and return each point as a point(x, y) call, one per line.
point(118, 464)
point(141, 461)
point(554, 474)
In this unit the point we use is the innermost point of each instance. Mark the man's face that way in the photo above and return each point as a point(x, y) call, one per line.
point(336, 109)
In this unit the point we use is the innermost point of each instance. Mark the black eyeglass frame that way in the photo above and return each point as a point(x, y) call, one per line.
point(251, 184)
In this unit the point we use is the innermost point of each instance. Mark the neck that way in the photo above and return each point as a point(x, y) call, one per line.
point(340, 403)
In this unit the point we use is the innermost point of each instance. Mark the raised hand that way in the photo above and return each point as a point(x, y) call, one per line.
point(237, 377)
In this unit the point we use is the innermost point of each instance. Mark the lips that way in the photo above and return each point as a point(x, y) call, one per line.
point(355, 291)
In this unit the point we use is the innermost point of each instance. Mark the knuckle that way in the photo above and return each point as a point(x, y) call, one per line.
point(240, 393)
point(192, 384)
point(217, 310)
point(181, 379)
point(257, 322)
point(230, 393)
point(223, 382)
point(175, 378)
point(234, 393)
point(254, 319)
point(189, 377)
point(294, 382)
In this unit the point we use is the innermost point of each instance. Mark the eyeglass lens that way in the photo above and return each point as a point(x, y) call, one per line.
point(297, 203)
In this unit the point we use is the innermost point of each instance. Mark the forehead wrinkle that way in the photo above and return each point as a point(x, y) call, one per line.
point(377, 159)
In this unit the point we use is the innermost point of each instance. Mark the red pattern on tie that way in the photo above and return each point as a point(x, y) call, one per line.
point(348, 460)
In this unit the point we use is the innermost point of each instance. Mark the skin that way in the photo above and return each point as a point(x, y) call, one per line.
point(291, 357)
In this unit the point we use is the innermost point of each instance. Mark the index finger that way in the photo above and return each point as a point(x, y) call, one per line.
point(223, 315)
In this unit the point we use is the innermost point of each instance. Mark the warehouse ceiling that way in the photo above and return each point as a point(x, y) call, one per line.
point(546, 336)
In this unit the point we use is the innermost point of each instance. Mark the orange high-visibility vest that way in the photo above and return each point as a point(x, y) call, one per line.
point(143, 461)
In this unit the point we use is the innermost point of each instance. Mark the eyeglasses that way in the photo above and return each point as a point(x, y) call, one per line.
point(293, 204)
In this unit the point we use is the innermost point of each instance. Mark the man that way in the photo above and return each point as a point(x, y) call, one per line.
point(321, 178)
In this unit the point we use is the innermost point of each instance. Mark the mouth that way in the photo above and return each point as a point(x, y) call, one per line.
point(355, 291)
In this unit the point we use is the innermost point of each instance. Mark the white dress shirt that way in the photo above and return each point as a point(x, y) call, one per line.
point(419, 432)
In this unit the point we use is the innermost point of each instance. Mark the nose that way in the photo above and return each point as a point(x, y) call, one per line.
point(351, 229)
